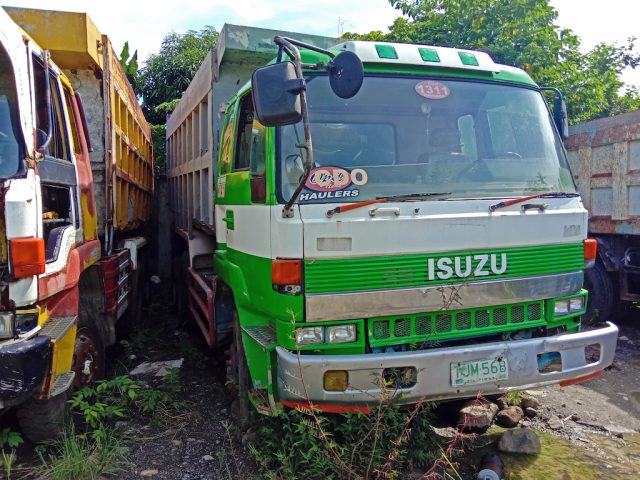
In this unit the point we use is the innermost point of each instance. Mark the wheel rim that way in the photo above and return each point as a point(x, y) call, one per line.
point(85, 360)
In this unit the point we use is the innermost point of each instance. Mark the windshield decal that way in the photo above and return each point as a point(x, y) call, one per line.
point(339, 194)
point(332, 179)
point(432, 90)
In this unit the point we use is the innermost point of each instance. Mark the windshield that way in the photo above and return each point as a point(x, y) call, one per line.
point(11, 147)
point(402, 135)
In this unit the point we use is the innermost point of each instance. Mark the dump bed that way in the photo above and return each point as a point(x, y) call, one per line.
point(120, 136)
point(605, 159)
point(193, 129)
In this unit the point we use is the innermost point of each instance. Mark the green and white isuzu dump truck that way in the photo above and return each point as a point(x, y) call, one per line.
point(364, 218)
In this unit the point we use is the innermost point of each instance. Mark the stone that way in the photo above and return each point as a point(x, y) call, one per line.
point(509, 417)
point(529, 402)
point(520, 440)
point(176, 443)
point(207, 458)
point(477, 415)
point(502, 403)
point(555, 423)
point(149, 472)
point(531, 412)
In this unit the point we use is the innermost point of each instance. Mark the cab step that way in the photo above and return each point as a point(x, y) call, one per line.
point(57, 327)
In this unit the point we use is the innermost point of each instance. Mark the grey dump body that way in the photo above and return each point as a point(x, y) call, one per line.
point(193, 129)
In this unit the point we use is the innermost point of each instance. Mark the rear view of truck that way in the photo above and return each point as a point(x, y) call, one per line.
point(75, 204)
point(605, 158)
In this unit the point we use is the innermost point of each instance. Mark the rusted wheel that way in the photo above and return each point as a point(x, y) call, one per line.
point(88, 357)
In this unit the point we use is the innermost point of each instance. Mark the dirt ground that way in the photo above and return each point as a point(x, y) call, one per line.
point(601, 418)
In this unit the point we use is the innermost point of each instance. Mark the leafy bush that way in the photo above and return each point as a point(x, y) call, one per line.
point(115, 397)
point(311, 445)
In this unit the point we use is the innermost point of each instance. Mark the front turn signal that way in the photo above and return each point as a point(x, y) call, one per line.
point(286, 275)
point(27, 257)
point(590, 250)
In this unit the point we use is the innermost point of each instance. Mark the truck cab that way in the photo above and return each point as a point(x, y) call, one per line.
point(434, 246)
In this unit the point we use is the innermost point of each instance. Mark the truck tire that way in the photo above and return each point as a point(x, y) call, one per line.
point(242, 410)
point(602, 295)
point(43, 420)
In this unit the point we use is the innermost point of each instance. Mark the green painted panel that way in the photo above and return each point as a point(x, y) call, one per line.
point(371, 273)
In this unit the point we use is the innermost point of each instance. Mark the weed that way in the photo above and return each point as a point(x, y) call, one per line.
point(11, 439)
point(75, 456)
point(123, 395)
point(514, 398)
point(380, 444)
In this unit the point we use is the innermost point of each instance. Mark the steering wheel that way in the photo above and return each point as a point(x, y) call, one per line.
point(474, 170)
point(511, 154)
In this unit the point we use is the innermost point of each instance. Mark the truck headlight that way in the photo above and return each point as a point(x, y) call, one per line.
point(561, 308)
point(341, 333)
point(576, 304)
point(7, 326)
point(309, 335)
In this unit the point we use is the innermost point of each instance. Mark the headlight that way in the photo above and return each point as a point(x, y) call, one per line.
point(341, 334)
point(309, 335)
point(576, 304)
point(561, 308)
point(6, 326)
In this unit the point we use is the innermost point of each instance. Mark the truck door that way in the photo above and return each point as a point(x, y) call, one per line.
point(58, 179)
point(241, 210)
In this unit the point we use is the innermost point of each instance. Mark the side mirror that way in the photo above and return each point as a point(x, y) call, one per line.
point(560, 117)
point(276, 94)
point(346, 74)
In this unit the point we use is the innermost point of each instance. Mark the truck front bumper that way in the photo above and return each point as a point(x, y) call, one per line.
point(23, 367)
point(300, 377)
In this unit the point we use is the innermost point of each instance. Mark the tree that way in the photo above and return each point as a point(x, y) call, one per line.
point(167, 74)
point(523, 33)
point(130, 65)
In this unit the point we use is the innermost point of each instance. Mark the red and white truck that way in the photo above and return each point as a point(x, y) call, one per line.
point(76, 183)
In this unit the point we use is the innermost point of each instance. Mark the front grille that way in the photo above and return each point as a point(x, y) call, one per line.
point(454, 324)
point(405, 271)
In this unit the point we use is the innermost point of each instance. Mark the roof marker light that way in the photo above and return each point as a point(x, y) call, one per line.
point(429, 54)
point(468, 59)
point(386, 51)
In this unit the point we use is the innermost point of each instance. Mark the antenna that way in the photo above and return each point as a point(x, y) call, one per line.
point(341, 24)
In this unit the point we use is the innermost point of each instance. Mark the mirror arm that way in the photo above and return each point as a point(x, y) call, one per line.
point(297, 43)
point(291, 49)
point(46, 56)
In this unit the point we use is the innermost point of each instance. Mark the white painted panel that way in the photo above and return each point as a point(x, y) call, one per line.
point(24, 291)
point(21, 207)
point(252, 230)
point(442, 226)
point(286, 234)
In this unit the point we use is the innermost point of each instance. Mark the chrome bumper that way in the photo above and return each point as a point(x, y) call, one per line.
point(300, 377)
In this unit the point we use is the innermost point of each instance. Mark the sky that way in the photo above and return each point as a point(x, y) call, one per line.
point(144, 24)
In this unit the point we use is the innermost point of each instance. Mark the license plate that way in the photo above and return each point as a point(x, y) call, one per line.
point(479, 371)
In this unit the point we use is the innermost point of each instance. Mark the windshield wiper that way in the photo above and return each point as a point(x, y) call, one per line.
point(514, 201)
point(397, 198)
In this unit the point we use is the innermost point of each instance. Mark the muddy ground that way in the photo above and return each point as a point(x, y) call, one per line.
point(599, 434)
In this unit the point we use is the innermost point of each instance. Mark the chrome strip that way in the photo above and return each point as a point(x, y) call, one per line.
point(300, 376)
point(375, 303)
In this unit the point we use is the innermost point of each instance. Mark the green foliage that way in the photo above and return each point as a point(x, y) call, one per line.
point(168, 73)
point(10, 439)
point(122, 395)
point(158, 134)
point(317, 446)
point(130, 65)
point(524, 33)
point(514, 398)
point(76, 457)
